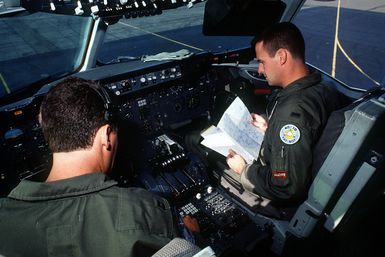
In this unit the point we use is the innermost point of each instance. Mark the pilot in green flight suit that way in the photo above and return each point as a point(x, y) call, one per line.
point(298, 115)
point(295, 119)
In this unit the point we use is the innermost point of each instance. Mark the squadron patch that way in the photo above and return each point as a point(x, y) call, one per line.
point(289, 134)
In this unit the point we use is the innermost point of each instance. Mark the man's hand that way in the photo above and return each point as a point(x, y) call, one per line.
point(259, 122)
point(235, 161)
point(191, 223)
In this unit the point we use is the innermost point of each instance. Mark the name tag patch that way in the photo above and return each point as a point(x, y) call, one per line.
point(280, 174)
point(289, 134)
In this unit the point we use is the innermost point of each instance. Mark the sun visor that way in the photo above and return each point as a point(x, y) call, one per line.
point(240, 17)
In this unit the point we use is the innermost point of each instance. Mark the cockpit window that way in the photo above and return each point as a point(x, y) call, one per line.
point(345, 39)
point(40, 46)
point(172, 31)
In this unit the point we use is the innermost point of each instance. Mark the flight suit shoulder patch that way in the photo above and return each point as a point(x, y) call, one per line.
point(289, 134)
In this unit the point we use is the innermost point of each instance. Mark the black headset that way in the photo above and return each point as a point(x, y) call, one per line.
point(110, 113)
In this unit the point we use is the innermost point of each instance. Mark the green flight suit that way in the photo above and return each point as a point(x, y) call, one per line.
point(86, 215)
point(296, 118)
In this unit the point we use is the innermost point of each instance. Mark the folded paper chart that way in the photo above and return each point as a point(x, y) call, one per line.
point(234, 131)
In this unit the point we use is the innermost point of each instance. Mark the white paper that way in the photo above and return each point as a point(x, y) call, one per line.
point(235, 131)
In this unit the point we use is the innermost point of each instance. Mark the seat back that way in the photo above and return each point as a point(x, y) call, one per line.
point(347, 168)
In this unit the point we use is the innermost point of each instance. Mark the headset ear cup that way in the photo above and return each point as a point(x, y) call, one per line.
point(108, 106)
point(110, 112)
point(107, 116)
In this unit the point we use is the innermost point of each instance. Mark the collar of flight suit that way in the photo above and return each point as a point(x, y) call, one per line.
point(299, 84)
point(80, 185)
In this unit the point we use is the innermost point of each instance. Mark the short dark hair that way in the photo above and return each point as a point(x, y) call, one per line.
point(282, 35)
point(71, 113)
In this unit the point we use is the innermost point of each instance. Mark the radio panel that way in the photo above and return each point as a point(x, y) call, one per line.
point(161, 100)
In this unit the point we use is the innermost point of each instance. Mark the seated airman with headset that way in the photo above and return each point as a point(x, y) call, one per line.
point(78, 210)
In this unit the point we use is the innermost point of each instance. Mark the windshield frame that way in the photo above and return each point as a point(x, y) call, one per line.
point(23, 73)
